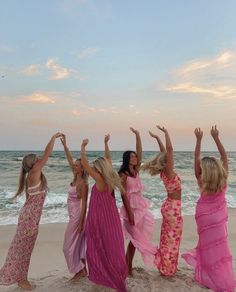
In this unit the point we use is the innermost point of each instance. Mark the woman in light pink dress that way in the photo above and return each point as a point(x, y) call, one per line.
point(138, 221)
point(212, 259)
point(166, 258)
point(74, 240)
point(33, 182)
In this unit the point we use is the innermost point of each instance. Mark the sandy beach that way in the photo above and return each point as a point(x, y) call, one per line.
point(49, 272)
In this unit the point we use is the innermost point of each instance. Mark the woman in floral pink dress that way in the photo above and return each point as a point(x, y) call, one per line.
point(33, 182)
point(166, 258)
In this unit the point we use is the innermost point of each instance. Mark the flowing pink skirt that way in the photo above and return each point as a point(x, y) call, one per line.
point(17, 262)
point(74, 242)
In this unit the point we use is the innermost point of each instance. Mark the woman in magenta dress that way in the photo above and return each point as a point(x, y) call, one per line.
point(212, 259)
point(33, 182)
point(166, 258)
point(74, 240)
point(105, 242)
point(138, 221)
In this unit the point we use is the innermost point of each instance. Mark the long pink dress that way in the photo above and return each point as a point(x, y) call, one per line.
point(105, 241)
point(141, 233)
point(74, 242)
point(17, 262)
point(166, 259)
point(212, 259)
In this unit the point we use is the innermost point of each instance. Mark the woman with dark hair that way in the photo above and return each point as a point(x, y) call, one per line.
point(138, 220)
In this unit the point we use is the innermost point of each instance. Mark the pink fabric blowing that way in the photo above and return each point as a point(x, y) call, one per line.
point(74, 242)
point(141, 233)
point(211, 258)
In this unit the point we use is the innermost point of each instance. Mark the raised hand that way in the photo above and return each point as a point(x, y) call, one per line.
point(107, 138)
point(63, 140)
point(214, 132)
point(136, 132)
point(153, 135)
point(198, 133)
point(57, 135)
point(162, 129)
point(85, 142)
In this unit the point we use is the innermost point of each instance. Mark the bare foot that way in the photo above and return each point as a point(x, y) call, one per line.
point(25, 285)
point(79, 275)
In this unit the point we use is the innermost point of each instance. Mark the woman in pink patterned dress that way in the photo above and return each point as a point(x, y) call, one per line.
point(33, 182)
point(138, 221)
point(212, 259)
point(166, 258)
point(74, 239)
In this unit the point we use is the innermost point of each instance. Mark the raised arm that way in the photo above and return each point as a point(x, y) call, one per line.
point(95, 175)
point(67, 152)
point(197, 155)
point(138, 145)
point(107, 150)
point(220, 147)
point(161, 146)
point(84, 195)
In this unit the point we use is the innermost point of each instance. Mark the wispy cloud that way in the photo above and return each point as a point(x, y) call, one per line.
point(87, 52)
point(222, 60)
point(6, 49)
point(38, 98)
point(213, 77)
point(58, 72)
point(31, 70)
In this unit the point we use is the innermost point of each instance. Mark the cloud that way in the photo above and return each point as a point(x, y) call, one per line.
point(58, 72)
point(86, 52)
point(222, 60)
point(213, 77)
point(31, 70)
point(38, 98)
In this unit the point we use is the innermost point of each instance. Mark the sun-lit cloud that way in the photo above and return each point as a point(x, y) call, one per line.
point(222, 60)
point(38, 98)
point(222, 92)
point(58, 72)
point(31, 70)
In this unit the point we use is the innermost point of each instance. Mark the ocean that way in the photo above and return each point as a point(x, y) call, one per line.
point(59, 177)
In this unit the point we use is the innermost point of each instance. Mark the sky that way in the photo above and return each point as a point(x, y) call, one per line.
point(91, 67)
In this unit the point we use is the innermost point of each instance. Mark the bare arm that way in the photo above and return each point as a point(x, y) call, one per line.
point(84, 195)
point(67, 152)
point(138, 145)
point(95, 175)
point(197, 154)
point(161, 146)
point(107, 150)
point(220, 147)
point(169, 169)
point(126, 201)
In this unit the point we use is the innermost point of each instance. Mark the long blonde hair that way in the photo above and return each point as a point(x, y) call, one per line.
point(110, 176)
point(155, 165)
point(213, 175)
point(27, 164)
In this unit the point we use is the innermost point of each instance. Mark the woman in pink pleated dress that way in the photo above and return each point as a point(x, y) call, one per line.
point(166, 258)
point(138, 221)
point(212, 259)
point(74, 240)
point(105, 242)
point(33, 182)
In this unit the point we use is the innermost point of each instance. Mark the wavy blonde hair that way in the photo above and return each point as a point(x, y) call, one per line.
point(110, 176)
point(27, 164)
point(213, 175)
point(155, 165)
